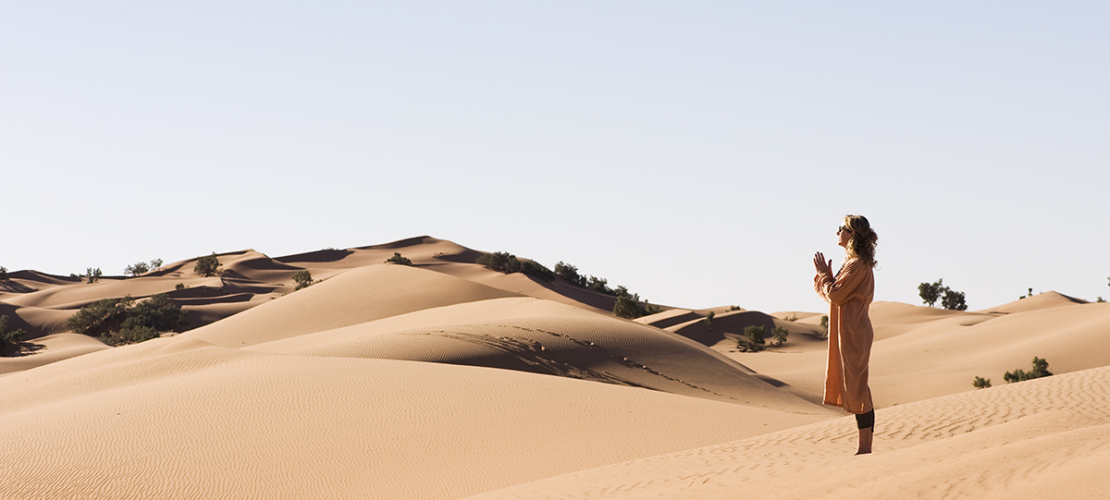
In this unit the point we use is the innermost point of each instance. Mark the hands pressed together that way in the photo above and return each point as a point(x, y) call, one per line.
point(822, 266)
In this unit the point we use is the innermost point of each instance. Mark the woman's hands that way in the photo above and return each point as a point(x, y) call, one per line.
point(822, 266)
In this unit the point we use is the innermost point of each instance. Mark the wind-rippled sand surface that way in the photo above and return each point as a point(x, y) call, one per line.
point(447, 380)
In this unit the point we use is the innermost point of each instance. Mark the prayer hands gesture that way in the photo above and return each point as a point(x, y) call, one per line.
point(822, 266)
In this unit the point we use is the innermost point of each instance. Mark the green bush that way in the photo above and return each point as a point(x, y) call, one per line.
point(825, 326)
point(949, 298)
point(779, 335)
point(629, 306)
point(1040, 369)
point(137, 269)
point(537, 270)
point(709, 319)
point(9, 339)
point(179, 286)
point(569, 273)
point(752, 340)
point(500, 261)
point(303, 279)
point(931, 292)
point(981, 383)
point(93, 275)
point(398, 259)
point(953, 300)
point(208, 265)
point(117, 321)
point(3, 273)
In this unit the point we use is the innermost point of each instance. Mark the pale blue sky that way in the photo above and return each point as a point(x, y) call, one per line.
point(696, 152)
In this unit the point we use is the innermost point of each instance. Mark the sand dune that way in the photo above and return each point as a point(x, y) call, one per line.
point(538, 336)
point(179, 418)
point(445, 379)
point(1045, 438)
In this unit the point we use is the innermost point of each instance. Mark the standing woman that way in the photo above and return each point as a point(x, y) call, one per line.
point(849, 293)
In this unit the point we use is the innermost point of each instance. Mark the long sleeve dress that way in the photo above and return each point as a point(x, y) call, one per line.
point(849, 295)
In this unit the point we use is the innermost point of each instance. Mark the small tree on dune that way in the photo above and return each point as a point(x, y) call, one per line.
point(981, 383)
point(208, 265)
point(930, 292)
point(709, 319)
point(779, 335)
point(398, 259)
point(93, 275)
point(752, 340)
point(137, 269)
point(3, 273)
point(9, 339)
point(825, 326)
point(303, 279)
point(953, 300)
point(1040, 369)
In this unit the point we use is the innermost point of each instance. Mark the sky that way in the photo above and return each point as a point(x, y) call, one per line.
point(698, 153)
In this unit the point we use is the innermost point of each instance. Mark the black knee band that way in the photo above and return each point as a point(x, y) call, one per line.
point(865, 420)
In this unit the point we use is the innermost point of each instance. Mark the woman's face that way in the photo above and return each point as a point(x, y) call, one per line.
point(843, 235)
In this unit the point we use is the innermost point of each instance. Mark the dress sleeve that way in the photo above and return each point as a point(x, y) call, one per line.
point(844, 286)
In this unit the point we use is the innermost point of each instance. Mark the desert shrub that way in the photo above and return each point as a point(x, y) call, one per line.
point(137, 269)
point(3, 273)
point(1040, 369)
point(950, 299)
point(1100, 300)
point(825, 326)
point(709, 319)
point(734, 308)
point(600, 285)
point(1029, 295)
point(752, 339)
point(537, 270)
point(953, 300)
point(792, 318)
point(398, 259)
point(569, 273)
point(500, 261)
point(117, 321)
point(208, 265)
point(931, 292)
point(779, 335)
point(627, 308)
point(9, 339)
point(93, 275)
point(155, 264)
point(981, 383)
point(303, 279)
point(179, 286)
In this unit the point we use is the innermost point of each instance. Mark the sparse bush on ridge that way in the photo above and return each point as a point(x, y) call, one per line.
point(398, 259)
point(123, 321)
point(3, 273)
point(179, 286)
point(93, 275)
point(208, 265)
point(709, 319)
point(792, 318)
point(1030, 294)
point(950, 299)
point(303, 279)
point(825, 326)
point(981, 383)
point(141, 268)
point(9, 339)
point(1040, 369)
point(507, 263)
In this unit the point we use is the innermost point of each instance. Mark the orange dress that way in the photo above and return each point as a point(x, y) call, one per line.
point(849, 295)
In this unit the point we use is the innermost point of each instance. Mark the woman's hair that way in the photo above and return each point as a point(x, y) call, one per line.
point(862, 244)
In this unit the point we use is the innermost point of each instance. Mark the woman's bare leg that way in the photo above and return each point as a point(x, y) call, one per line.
point(865, 436)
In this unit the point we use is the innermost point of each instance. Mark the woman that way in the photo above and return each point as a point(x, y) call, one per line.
point(849, 293)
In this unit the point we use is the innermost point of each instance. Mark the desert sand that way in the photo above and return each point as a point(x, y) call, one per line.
point(446, 380)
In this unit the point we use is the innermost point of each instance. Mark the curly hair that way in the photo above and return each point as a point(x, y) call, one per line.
point(862, 244)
